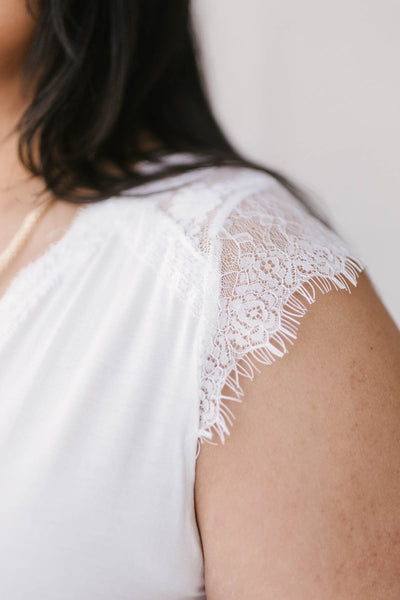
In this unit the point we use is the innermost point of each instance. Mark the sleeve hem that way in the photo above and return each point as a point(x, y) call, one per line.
point(276, 346)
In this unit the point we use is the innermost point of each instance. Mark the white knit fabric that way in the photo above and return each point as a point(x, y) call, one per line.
point(115, 347)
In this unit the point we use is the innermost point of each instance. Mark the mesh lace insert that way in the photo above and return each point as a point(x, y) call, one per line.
point(262, 246)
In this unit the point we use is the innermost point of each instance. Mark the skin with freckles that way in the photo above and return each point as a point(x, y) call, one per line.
point(302, 502)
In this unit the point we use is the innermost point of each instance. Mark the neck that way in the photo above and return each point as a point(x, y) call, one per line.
point(16, 181)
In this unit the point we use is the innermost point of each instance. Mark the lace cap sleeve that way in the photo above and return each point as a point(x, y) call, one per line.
point(264, 247)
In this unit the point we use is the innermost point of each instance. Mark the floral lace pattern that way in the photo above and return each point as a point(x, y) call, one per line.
point(267, 252)
point(262, 246)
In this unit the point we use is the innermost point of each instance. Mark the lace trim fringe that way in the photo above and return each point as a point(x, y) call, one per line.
point(292, 312)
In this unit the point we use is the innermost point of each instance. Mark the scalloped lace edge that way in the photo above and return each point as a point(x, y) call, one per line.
point(292, 312)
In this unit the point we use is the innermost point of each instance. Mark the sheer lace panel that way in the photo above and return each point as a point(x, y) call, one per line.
point(264, 249)
point(259, 246)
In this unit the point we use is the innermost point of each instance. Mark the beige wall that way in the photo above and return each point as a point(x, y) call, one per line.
point(313, 88)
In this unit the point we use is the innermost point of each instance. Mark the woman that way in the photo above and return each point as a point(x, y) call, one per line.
point(147, 271)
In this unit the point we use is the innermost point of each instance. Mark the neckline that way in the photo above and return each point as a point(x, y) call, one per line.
point(45, 254)
point(36, 277)
point(57, 247)
point(82, 236)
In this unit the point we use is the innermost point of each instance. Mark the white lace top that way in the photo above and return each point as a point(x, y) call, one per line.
point(115, 346)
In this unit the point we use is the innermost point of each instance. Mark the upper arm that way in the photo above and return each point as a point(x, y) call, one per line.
point(302, 502)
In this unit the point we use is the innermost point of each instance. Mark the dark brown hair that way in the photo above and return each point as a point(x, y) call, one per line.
point(104, 72)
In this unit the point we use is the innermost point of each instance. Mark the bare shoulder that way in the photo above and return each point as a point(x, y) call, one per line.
point(302, 501)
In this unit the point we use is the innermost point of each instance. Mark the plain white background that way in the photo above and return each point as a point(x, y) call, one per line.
point(313, 89)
